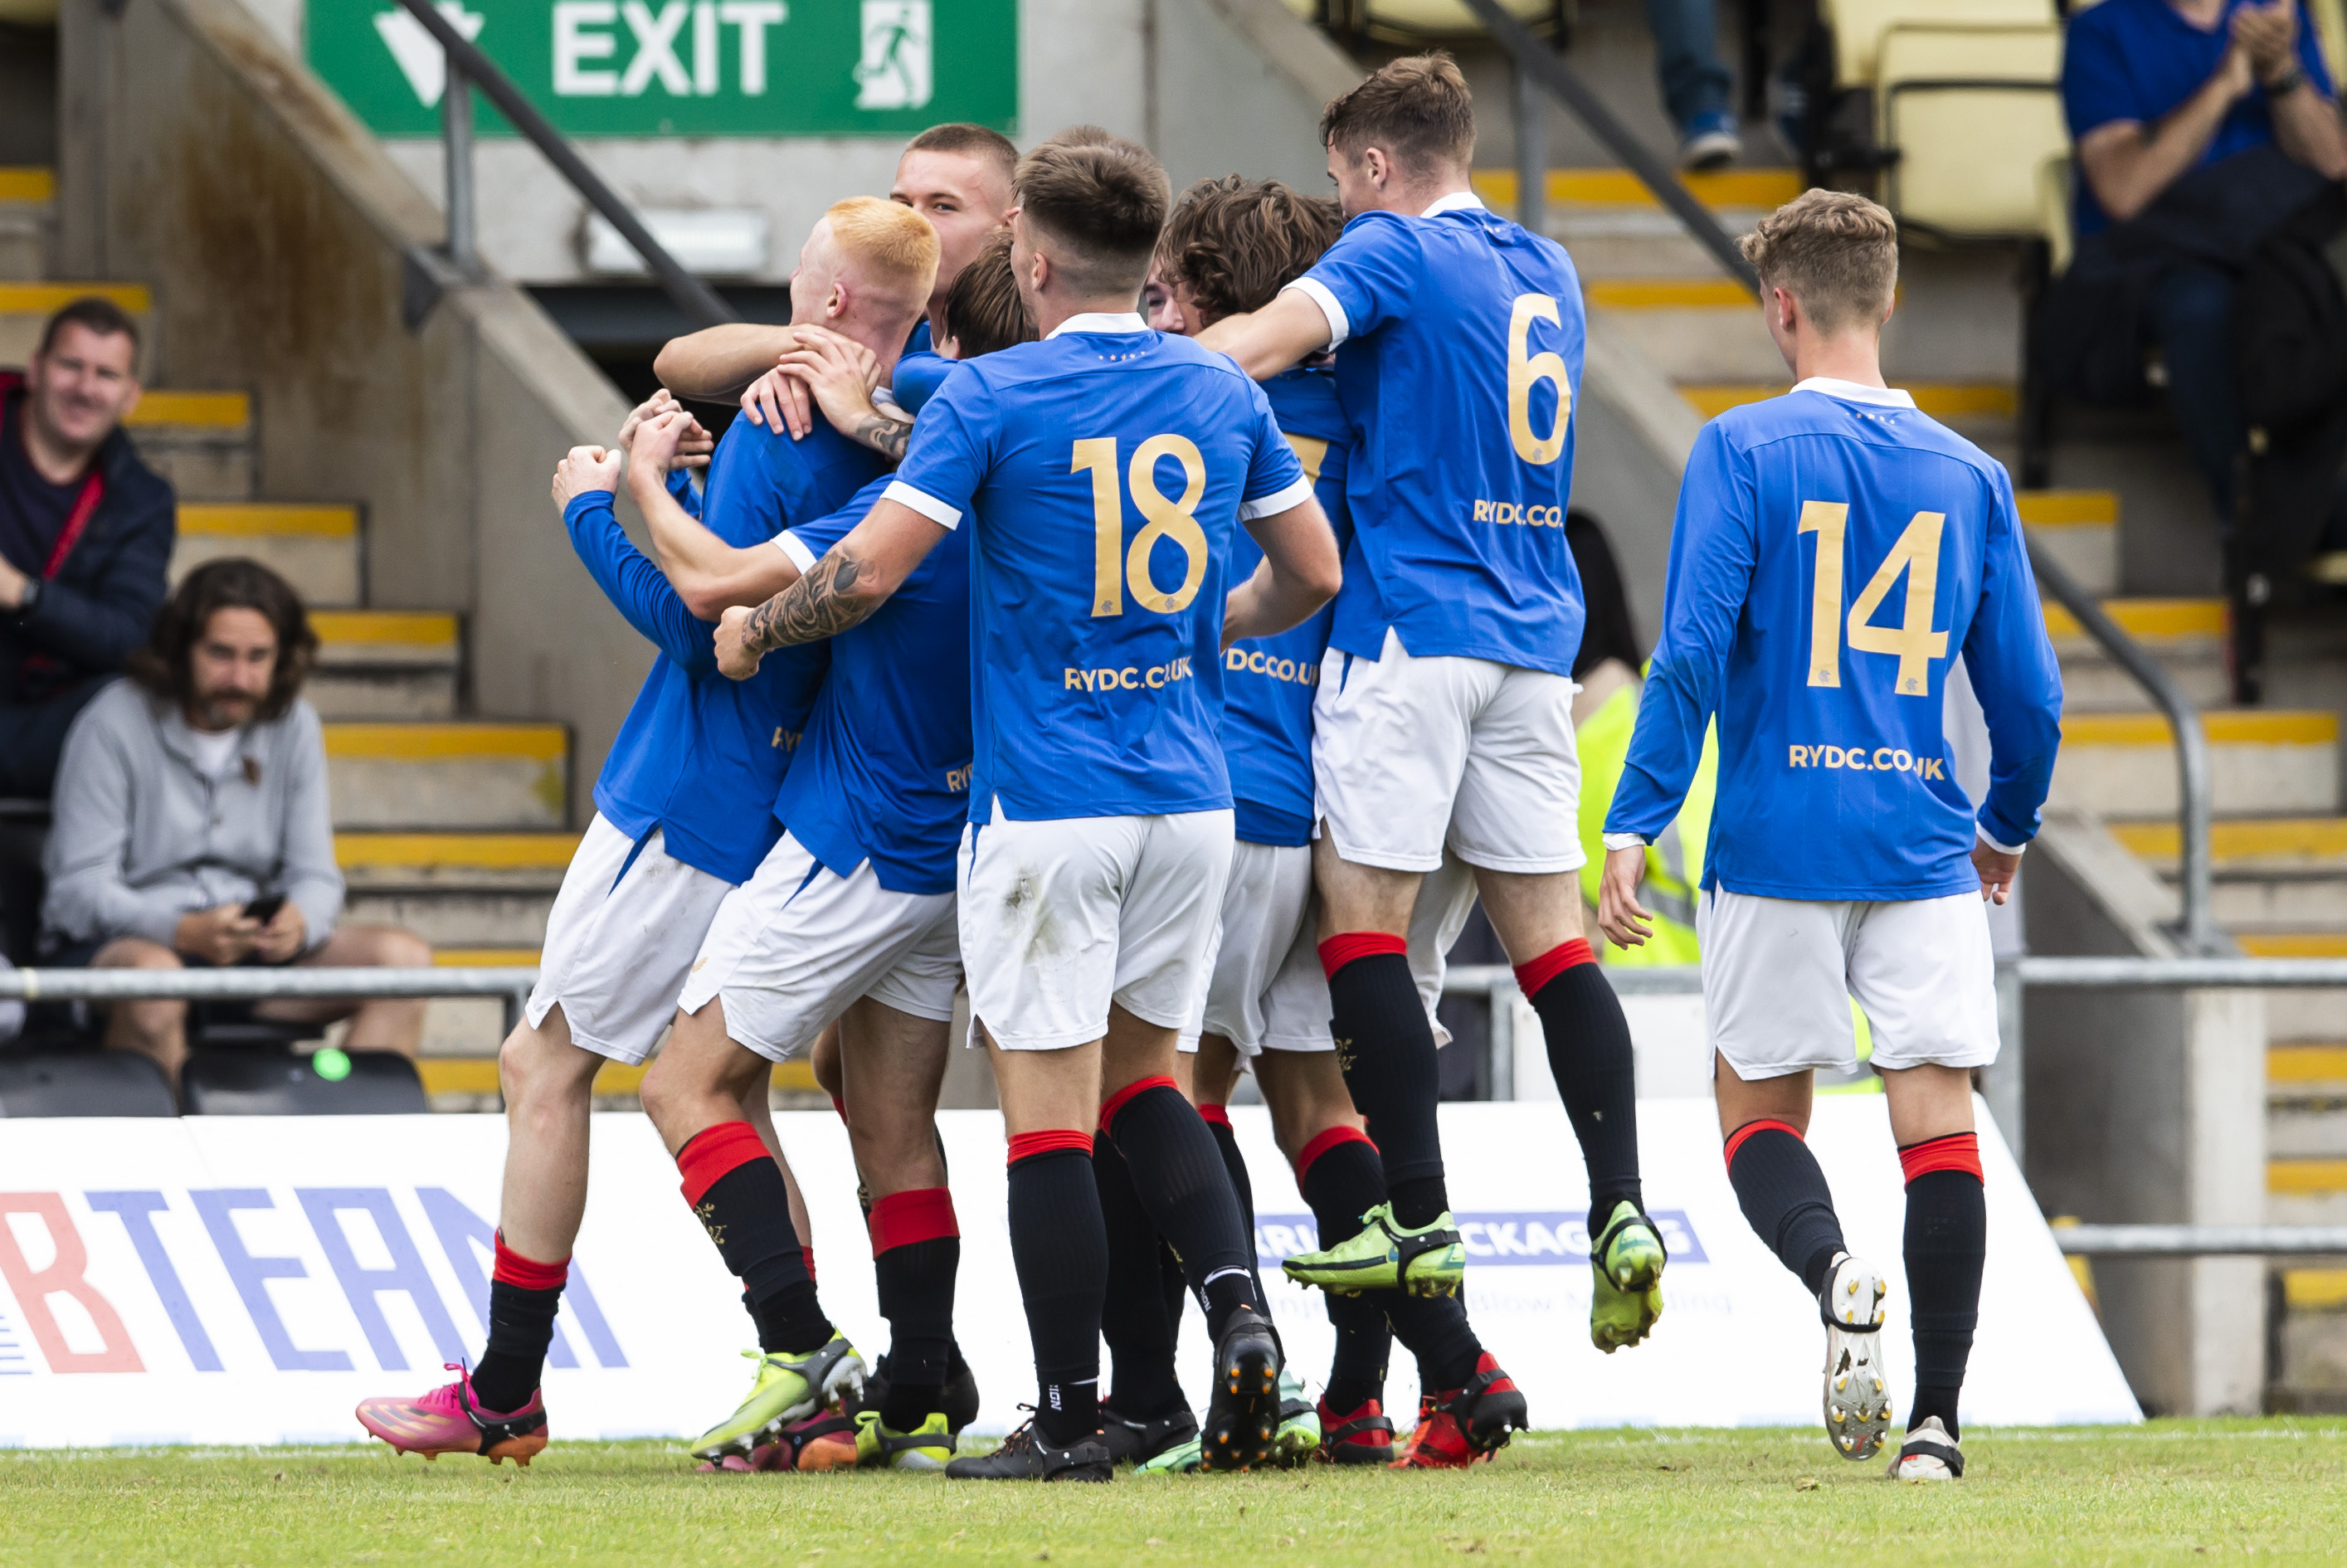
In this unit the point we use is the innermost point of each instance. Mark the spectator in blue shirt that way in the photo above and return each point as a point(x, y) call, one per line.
point(2158, 91)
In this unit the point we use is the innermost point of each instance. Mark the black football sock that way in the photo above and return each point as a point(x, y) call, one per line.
point(1340, 1177)
point(1596, 1072)
point(1946, 1244)
point(524, 1296)
point(1060, 1249)
point(1435, 1330)
point(1385, 1048)
point(916, 1254)
point(1173, 1287)
point(1217, 1119)
point(737, 1193)
point(1783, 1193)
point(1132, 1315)
point(1180, 1177)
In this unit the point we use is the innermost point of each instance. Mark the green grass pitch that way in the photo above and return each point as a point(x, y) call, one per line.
point(2185, 1491)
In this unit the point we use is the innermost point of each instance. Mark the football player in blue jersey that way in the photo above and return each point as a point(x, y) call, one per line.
point(1443, 731)
point(1102, 471)
point(1835, 552)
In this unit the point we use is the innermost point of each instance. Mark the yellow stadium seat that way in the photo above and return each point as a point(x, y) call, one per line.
point(1974, 111)
point(1429, 15)
point(1859, 25)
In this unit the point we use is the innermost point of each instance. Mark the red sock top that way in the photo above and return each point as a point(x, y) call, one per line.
point(1130, 1093)
point(806, 1256)
point(1214, 1115)
point(901, 1219)
point(1736, 1139)
point(1532, 977)
point(1346, 945)
point(512, 1268)
point(1955, 1151)
point(714, 1153)
point(1027, 1145)
point(1323, 1142)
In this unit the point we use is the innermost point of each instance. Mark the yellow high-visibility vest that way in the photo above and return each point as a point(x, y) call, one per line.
point(1674, 860)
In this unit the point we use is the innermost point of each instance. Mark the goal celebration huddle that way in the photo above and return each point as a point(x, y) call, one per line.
point(1154, 617)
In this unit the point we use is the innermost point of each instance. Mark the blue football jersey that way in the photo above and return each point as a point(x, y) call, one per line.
point(698, 755)
point(883, 773)
point(1104, 472)
point(1460, 338)
point(1268, 681)
point(1833, 553)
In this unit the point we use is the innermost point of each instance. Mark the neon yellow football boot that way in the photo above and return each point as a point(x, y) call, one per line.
point(928, 1446)
point(1628, 1266)
point(787, 1388)
point(1385, 1255)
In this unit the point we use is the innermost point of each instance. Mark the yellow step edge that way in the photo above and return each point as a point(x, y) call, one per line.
point(1665, 294)
point(1768, 188)
point(2283, 838)
point(266, 519)
point(206, 410)
point(2068, 509)
point(487, 851)
point(2294, 943)
point(2306, 1063)
point(2306, 1289)
point(2153, 619)
point(427, 742)
point(1940, 400)
point(20, 184)
point(2306, 1178)
point(486, 957)
point(479, 1075)
point(408, 628)
point(47, 299)
point(2240, 727)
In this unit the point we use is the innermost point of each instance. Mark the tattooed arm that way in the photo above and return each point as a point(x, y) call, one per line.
point(850, 582)
point(841, 374)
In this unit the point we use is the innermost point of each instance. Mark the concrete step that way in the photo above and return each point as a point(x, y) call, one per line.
point(314, 548)
point(1695, 329)
point(471, 1078)
point(2311, 1371)
point(1615, 229)
point(2270, 877)
point(448, 775)
point(201, 441)
point(27, 218)
point(26, 309)
point(385, 665)
point(2186, 635)
point(2264, 762)
point(2303, 1070)
point(458, 890)
point(2080, 529)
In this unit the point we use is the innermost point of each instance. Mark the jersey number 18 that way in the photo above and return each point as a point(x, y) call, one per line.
point(1113, 566)
point(1916, 552)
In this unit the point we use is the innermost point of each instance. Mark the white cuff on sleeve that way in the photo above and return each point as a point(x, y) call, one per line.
point(1278, 501)
point(928, 506)
point(791, 545)
point(1992, 844)
point(1625, 841)
point(1312, 289)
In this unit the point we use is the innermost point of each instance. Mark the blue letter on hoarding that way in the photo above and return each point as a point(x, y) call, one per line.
point(459, 1228)
point(136, 1211)
point(362, 1286)
point(251, 1276)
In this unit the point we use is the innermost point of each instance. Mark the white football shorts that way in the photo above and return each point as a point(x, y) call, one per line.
point(1778, 975)
point(797, 945)
point(1412, 756)
point(1061, 917)
point(621, 934)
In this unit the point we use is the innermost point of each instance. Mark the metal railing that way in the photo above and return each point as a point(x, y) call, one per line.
point(511, 983)
point(468, 69)
point(2199, 1241)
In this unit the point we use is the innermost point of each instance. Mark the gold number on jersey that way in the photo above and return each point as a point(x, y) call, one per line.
point(1913, 641)
point(1113, 567)
point(1523, 372)
point(1310, 451)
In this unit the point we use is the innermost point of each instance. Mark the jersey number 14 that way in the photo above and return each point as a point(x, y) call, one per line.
point(1912, 640)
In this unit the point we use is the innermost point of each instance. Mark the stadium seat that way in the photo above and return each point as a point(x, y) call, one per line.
point(274, 1083)
point(1970, 114)
point(82, 1083)
point(1859, 25)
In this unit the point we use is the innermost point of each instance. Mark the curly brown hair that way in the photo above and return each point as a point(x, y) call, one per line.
point(983, 311)
point(1236, 242)
point(164, 666)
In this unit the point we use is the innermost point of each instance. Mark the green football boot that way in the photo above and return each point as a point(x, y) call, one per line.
point(1383, 1256)
point(1298, 1437)
point(788, 1389)
point(1627, 1267)
point(928, 1446)
point(1181, 1459)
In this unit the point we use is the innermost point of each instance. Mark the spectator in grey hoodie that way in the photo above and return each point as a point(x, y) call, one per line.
point(189, 799)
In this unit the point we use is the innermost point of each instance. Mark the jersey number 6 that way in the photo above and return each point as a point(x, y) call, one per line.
point(1917, 552)
point(1524, 371)
point(1112, 565)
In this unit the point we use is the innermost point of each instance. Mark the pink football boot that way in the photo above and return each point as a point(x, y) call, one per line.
point(449, 1420)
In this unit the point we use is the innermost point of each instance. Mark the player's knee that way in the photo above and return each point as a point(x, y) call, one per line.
point(136, 953)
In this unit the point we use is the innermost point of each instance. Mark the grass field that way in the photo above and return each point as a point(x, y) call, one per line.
point(2183, 1492)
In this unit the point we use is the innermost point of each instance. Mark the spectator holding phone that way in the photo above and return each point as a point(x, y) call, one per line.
point(192, 825)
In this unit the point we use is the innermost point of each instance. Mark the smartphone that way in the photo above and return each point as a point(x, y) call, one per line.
point(265, 909)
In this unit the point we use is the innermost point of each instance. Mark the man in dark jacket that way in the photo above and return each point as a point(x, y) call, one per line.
point(85, 533)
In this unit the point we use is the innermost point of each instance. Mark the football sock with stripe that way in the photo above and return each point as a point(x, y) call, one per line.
point(1340, 1177)
point(524, 1296)
point(1061, 1250)
point(1217, 1119)
point(736, 1191)
point(1783, 1193)
point(916, 1254)
point(1946, 1245)
point(1596, 1072)
point(1132, 1315)
point(1179, 1175)
point(1385, 1048)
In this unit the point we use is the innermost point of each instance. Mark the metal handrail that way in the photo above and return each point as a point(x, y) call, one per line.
point(1539, 63)
point(2199, 1241)
point(467, 66)
point(2193, 806)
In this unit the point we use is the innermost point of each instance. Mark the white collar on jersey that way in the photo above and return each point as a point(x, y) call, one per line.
point(1457, 201)
point(1851, 392)
point(1103, 322)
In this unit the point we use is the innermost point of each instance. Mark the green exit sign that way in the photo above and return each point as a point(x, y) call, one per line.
point(687, 67)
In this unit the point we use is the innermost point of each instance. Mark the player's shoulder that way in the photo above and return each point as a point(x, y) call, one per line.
point(1304, 400)
point(1898, 430)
